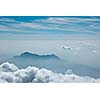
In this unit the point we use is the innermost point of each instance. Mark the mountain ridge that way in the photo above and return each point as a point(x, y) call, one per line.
point(33, 55)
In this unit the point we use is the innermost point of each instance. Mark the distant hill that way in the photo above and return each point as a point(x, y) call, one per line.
point(52, 62)
point(36, 56)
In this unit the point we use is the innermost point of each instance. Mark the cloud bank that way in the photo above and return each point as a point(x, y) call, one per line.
point(9, 73)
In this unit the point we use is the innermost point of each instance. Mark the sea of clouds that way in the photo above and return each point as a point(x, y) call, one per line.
point(10, 73)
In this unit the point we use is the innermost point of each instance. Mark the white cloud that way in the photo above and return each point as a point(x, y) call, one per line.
point(30, 25)
point(7, 67)
point(36, 75)
point(7, 76)
point(68, 20)
point(7, 20)
point(3, 81)
point(51, 23)
point(66, 47)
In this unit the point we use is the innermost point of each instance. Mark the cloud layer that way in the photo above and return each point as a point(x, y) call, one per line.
point(52, 25)
point(9, 73)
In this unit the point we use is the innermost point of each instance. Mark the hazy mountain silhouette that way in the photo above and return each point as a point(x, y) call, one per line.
point(42, 61)
point(36, 56)
point(52, 62)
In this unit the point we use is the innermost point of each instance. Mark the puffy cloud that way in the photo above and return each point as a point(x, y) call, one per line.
point(3, 81)
point(11, 74)
point(44, 76)
point(7, 77)
point(26, 75)
point(7, 67)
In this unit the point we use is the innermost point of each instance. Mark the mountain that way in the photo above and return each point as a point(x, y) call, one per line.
point(36, 56)
point(54, 63)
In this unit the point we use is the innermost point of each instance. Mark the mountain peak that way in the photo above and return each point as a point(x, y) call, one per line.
point(32, 55)
point(27, 54)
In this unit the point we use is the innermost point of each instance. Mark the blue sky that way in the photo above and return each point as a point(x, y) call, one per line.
point(49, 27)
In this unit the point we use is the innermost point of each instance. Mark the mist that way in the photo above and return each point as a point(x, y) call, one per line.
point(85, 52)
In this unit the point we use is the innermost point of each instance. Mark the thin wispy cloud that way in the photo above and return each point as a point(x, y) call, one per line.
point(7, 20)
point(65, 20)
point(53, 25)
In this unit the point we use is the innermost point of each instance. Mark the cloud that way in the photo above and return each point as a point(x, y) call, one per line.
point(96, 51)
point(82, 47)
point(7, 77)
point(7, 67)
point(30, 25)
point(73, 24)
point(67, 20)
point(66, 47)
point(13, 28)
point(7, 20)
point(53, 25)
point(36, 75)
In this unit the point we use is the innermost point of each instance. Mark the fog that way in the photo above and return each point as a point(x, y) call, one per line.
point(86, 52)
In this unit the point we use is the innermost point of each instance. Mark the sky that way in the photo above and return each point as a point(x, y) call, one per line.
point(40, 30)
point(49, 27)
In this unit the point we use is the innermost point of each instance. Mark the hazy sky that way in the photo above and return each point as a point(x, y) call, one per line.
point(47, 35)
point(49, 27)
